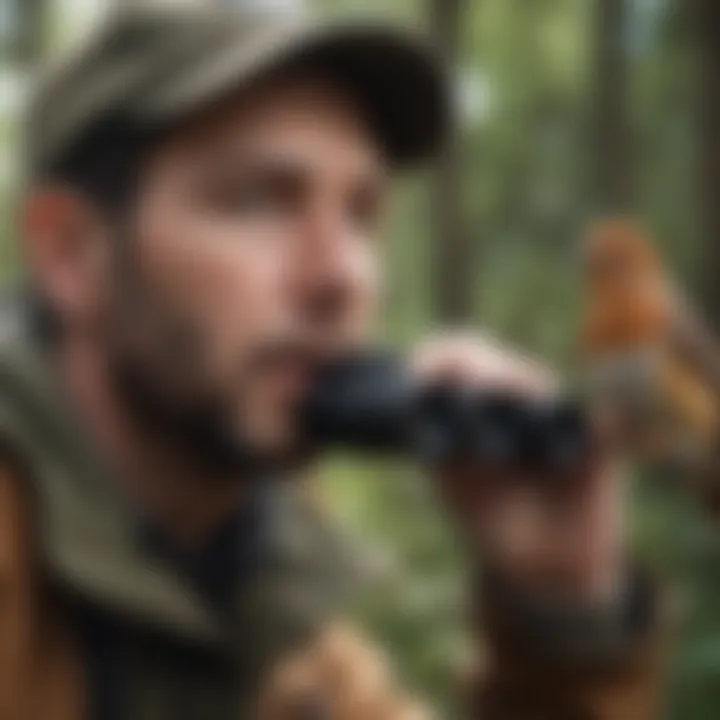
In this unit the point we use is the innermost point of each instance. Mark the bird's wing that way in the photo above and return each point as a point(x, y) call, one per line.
point(694, 342)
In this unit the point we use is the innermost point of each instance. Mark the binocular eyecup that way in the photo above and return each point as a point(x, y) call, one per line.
point(373, 404)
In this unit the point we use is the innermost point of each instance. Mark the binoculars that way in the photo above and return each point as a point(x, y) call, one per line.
point(371, 403)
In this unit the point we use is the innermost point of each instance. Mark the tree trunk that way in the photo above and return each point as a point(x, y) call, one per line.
point(453, 271)
point(614, 176)
point(707, 34)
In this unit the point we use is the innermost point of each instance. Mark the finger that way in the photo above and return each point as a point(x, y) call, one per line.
point(360, 680)
point(483, 364)
point(292, 691)
point(401, 708)
point(355, 672)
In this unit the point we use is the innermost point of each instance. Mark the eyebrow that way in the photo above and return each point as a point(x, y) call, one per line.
point(271, 163)
point(257, 163)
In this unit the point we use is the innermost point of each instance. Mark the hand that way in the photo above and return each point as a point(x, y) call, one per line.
point(555, 536)
point(341, 676)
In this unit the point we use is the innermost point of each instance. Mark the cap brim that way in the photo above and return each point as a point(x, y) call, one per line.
point(396, 78)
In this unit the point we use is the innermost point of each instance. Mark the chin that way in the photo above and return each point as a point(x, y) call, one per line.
point(283, 462)
point(277, 443)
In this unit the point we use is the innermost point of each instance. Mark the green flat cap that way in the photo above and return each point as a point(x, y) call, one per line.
point(154, 65)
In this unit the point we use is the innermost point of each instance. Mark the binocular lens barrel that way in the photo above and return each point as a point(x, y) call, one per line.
point(372, 404)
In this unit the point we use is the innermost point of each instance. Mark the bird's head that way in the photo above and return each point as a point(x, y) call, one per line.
point(619, 255)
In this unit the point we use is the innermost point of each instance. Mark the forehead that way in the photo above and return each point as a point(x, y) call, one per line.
point(307, 117)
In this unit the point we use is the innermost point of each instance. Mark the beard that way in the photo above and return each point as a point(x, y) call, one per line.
point(162, 383)
point(158, 367)
point(200, 430)
point(157, 376)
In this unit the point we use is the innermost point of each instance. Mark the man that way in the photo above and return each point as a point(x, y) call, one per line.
point(200, 228)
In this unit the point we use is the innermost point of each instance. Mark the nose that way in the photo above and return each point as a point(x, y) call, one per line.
point(332, 269)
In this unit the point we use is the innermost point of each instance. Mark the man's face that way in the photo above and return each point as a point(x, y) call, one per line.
point(251, 255)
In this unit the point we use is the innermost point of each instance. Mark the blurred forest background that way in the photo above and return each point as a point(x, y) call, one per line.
point(570, 109)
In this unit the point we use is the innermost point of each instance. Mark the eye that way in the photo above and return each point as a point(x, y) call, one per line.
point(261, 189)
point(244, 198)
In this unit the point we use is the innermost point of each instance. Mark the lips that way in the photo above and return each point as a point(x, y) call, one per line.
point(286, 372)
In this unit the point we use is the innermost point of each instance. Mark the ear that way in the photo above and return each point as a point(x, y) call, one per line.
point(66, 242)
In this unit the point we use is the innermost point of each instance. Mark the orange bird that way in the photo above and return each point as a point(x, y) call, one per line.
point(653, 366)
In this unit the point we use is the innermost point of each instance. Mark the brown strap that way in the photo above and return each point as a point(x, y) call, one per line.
point(18, 599)
point(39, 672)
